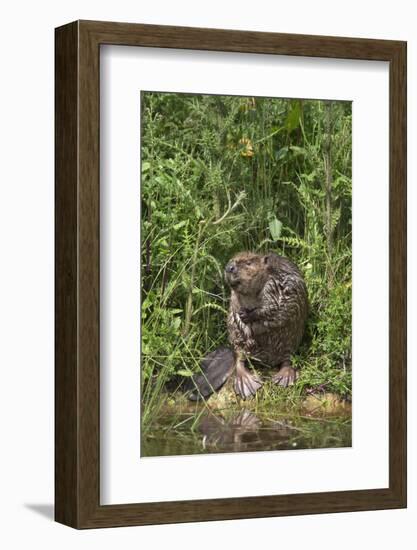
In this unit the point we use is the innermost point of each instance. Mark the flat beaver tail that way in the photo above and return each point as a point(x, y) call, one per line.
point(215, 369)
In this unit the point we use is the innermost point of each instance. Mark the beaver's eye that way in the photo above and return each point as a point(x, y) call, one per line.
point(249, 262)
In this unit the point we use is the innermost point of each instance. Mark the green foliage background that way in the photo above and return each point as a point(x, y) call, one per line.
point(222, 174)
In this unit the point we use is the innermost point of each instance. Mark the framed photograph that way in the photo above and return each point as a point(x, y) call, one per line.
point(230, 274)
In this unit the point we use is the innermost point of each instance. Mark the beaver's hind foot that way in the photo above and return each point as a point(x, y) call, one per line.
point(286, 376)
point(246, 384)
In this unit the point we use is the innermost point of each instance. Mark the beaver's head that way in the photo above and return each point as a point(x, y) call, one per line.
point(247, 273)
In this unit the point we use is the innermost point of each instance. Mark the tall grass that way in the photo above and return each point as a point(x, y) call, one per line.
point(222, 174)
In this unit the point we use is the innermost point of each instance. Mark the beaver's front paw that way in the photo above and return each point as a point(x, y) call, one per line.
point(248, 315)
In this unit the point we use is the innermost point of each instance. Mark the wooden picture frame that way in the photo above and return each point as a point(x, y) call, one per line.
point(77, 374)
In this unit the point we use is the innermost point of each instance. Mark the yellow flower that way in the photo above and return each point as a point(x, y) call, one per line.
point(248, 104)
point(248, 147)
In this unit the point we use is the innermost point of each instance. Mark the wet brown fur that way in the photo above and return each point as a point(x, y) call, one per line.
point(268, 307)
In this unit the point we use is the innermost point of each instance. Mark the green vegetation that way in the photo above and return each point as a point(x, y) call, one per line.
point(223, 174)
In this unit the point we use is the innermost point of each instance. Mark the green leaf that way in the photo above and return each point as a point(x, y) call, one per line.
point(180, 224)
point(275, 227)
point(295, 150)
point(176, 323)
point(282, 153)
point(293, 117)
point(185, 372)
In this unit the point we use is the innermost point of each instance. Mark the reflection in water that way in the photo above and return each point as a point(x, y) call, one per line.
point(243, 431)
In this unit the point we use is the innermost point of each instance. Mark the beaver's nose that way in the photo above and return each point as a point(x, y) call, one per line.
point(231, 268)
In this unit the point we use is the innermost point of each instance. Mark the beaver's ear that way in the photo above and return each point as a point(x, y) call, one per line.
point(267, 258)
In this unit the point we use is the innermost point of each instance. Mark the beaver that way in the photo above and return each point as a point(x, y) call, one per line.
point(267, 315)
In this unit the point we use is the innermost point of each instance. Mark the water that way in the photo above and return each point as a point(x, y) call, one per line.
point(242, 431)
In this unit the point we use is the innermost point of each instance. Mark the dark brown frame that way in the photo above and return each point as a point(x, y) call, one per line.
point(77, 274)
